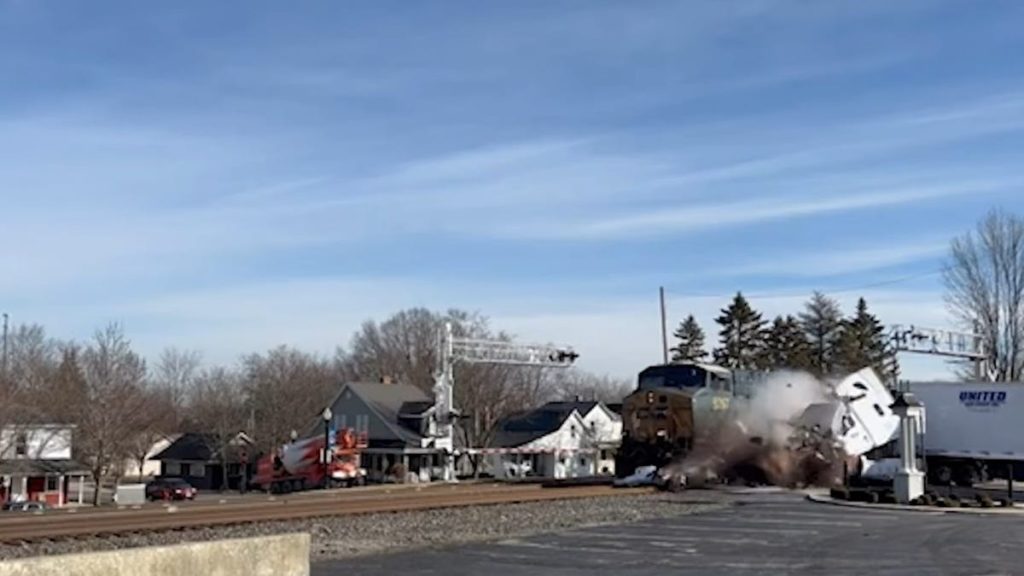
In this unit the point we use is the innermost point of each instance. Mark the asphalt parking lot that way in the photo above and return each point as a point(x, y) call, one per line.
point(762, 533)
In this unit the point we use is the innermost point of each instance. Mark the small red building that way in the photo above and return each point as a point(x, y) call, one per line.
point(36, 464)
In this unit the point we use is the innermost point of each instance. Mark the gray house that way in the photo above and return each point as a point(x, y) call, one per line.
point(396, 419)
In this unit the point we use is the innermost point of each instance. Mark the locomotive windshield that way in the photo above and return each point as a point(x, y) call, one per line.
point(673, 377)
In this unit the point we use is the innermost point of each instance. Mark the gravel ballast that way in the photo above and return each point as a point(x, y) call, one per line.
point(347, 536)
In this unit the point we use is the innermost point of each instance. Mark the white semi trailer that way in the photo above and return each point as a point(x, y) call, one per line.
point(973, 431)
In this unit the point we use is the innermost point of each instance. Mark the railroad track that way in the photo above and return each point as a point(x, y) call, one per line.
point(61, 525)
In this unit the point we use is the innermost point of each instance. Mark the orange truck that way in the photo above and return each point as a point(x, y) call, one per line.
point(300, 465)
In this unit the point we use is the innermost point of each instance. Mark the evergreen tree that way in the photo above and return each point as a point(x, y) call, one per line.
point(741, 336)
point(821, 320)
point(691, 341)
point(786, 346)
point(862, 342)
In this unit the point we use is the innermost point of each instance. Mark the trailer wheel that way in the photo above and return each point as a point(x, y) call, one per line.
point(942, 475)
point(966, 475)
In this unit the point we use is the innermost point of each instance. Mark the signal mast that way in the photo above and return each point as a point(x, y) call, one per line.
point(938, 342)
point(479, 351)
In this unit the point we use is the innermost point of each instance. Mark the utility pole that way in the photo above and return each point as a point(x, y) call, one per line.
point(5, 346)
point(664, 326)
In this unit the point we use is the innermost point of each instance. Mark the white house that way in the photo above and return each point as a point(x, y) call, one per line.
point(557, 440)
point(36, 464)
point(150, 466)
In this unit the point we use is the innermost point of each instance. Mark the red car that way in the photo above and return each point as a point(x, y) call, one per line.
point(170, 489)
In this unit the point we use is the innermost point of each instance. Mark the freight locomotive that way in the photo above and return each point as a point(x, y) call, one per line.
point(674, 407)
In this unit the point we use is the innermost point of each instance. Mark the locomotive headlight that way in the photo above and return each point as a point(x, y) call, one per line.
point(650, 397)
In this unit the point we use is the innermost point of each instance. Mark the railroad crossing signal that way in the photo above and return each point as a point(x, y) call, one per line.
point(938, 342)
point(479, 351)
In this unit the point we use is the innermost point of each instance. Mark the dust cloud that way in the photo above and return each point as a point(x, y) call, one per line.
point(759, 444)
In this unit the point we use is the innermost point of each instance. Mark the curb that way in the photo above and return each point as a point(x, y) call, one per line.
point(826, 499)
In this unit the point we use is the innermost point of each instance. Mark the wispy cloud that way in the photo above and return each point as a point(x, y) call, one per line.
point(827, 262)
point(275, 190)
point(677, 220)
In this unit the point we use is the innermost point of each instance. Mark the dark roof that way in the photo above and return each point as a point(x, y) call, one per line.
point(525, 427)
point(414, 409)
point(582, 406)
point(41, 467)
point(615, 407)
point(387, 400)
point(192, 447)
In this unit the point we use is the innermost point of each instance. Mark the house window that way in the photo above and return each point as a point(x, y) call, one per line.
point(52, 483)
point(21, 444)
point(572, 430)
point(185, 469)
point(344, 421)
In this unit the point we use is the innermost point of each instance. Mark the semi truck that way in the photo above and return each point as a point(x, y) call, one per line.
point(302, 464)
point(973, 431)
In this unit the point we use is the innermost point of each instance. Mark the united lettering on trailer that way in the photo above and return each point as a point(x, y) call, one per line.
point(983, 398)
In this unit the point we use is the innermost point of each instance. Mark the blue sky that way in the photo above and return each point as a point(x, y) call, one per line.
point(229, 176)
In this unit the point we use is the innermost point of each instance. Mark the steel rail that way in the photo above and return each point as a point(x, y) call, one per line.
point(77, 526)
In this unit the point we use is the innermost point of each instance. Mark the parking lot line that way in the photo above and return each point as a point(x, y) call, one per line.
point(748, 520)
point(681, 538)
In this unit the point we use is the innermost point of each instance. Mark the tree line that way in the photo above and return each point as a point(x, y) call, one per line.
point(819, 339)
point(120, 404)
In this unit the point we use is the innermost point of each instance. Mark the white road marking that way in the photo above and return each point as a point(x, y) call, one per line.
point(595, 549)
point(748, 520)
point(705, 528)
point(667, 538)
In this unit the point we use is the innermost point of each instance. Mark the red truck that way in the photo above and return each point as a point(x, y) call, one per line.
point(300, 465)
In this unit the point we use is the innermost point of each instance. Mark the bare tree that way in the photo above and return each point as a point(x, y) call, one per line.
point(573, 383)
point(405, 347)
point(112, 408)
point(157, 420)
point(176, 371)
point(984, 280)
point(33, 360)
point(217, 408)
point(26, 395)
point(286, 390)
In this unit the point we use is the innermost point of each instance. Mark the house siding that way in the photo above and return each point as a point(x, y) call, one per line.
point(582, 446)
point(41, 443)
point(350, 411)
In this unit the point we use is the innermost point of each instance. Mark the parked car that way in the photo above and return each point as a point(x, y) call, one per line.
point(170, 489)
point(25, 507)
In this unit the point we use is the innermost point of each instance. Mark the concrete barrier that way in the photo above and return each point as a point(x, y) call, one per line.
point(284, 555)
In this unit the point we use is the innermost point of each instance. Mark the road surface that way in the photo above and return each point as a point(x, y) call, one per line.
point(761, 533)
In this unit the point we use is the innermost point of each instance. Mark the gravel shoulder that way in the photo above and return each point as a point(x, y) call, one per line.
point(348, 536)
